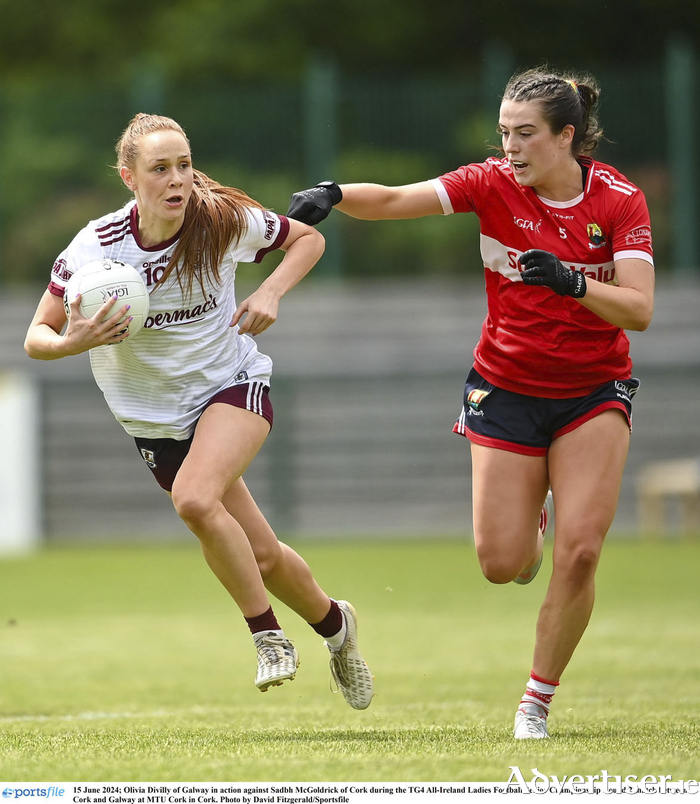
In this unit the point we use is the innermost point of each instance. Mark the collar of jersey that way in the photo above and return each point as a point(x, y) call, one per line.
point(562, 204)
point(134, 216)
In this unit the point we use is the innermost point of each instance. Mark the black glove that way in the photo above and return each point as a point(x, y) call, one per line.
point(543, 268)
point(314, 205)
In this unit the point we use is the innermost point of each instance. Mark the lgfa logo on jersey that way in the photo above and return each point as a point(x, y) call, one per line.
point(595, 235)
point(530, 226)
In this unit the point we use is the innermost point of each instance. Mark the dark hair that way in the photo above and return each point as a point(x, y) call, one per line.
point(565, 99)
point(215, 215)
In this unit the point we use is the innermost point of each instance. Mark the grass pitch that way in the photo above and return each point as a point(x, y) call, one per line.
point(131, 664)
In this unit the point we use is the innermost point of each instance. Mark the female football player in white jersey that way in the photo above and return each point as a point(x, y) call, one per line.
point(191, 386)
point(566, 247)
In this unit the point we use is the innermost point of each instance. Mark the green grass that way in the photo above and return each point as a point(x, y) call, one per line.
point(131, 664)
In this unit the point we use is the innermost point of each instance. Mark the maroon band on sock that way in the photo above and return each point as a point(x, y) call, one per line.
point(263, 622)
point(331, 623)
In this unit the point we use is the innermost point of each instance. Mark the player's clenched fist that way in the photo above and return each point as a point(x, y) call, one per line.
point(544, 268)
point(314, 205)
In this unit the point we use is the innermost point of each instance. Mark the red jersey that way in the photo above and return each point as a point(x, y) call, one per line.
point(534, 341)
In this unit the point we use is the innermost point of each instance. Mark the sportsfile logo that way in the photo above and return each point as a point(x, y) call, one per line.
point(33, 792)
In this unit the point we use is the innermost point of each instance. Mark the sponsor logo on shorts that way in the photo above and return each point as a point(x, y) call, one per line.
point(624, 391)
point(150, 458)
point(474, 399)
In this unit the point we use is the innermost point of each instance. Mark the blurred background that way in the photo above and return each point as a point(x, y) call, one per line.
point(372, 349)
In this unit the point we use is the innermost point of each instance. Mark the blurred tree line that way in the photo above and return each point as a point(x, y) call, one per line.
point(276, 94)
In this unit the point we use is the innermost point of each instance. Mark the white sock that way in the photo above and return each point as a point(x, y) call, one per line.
point(539, 692)
point(336, 641)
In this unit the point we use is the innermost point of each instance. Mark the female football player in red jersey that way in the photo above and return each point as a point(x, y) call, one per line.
point(191, 387)
point(566, 247)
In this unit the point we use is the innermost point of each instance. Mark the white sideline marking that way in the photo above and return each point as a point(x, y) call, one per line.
point(195, 710)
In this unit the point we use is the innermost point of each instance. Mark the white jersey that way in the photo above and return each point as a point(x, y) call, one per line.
point(157, 382)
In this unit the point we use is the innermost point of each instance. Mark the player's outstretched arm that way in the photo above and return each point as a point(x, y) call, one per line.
point(365, 201)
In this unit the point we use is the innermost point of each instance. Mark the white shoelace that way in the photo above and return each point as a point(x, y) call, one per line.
point(272, 649)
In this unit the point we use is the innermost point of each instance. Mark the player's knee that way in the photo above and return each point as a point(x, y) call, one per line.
point(579, 562)
point(498, 569)
point(191, 508)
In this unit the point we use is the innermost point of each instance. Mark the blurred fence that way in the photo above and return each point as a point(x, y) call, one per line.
point(366, 387)
point(368, 376)
point(56, 146)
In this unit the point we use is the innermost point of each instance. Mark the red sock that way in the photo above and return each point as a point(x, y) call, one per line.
point(263, 622)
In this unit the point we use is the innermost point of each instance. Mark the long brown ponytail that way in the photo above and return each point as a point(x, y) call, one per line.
point(214, 218)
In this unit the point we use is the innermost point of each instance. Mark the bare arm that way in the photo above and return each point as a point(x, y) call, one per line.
point(366, 201)
point(303, 249)
point(44, 340)
point(378, 202)
point(630, 305)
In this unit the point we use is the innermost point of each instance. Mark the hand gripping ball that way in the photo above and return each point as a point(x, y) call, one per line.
point(100, 280)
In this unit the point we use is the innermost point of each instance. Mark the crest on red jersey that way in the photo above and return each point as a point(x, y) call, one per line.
point(595, 234)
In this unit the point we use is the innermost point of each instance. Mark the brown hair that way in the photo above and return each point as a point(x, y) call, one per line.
point(214, 218)
point(565, 99)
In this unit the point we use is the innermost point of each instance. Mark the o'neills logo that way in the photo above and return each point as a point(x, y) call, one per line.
point(176, 318)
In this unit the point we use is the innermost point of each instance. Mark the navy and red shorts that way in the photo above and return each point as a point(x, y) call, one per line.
point(164, 456)
point(494, 417)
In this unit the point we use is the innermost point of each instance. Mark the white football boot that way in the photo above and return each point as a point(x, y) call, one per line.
point(348, 669)
point(277, 660)
point(530, 723)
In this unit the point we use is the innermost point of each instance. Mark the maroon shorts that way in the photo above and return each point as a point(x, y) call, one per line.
point(494, 417)
point(164, 456)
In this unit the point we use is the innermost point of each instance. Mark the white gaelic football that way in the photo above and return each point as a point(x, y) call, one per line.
point(100, 280)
